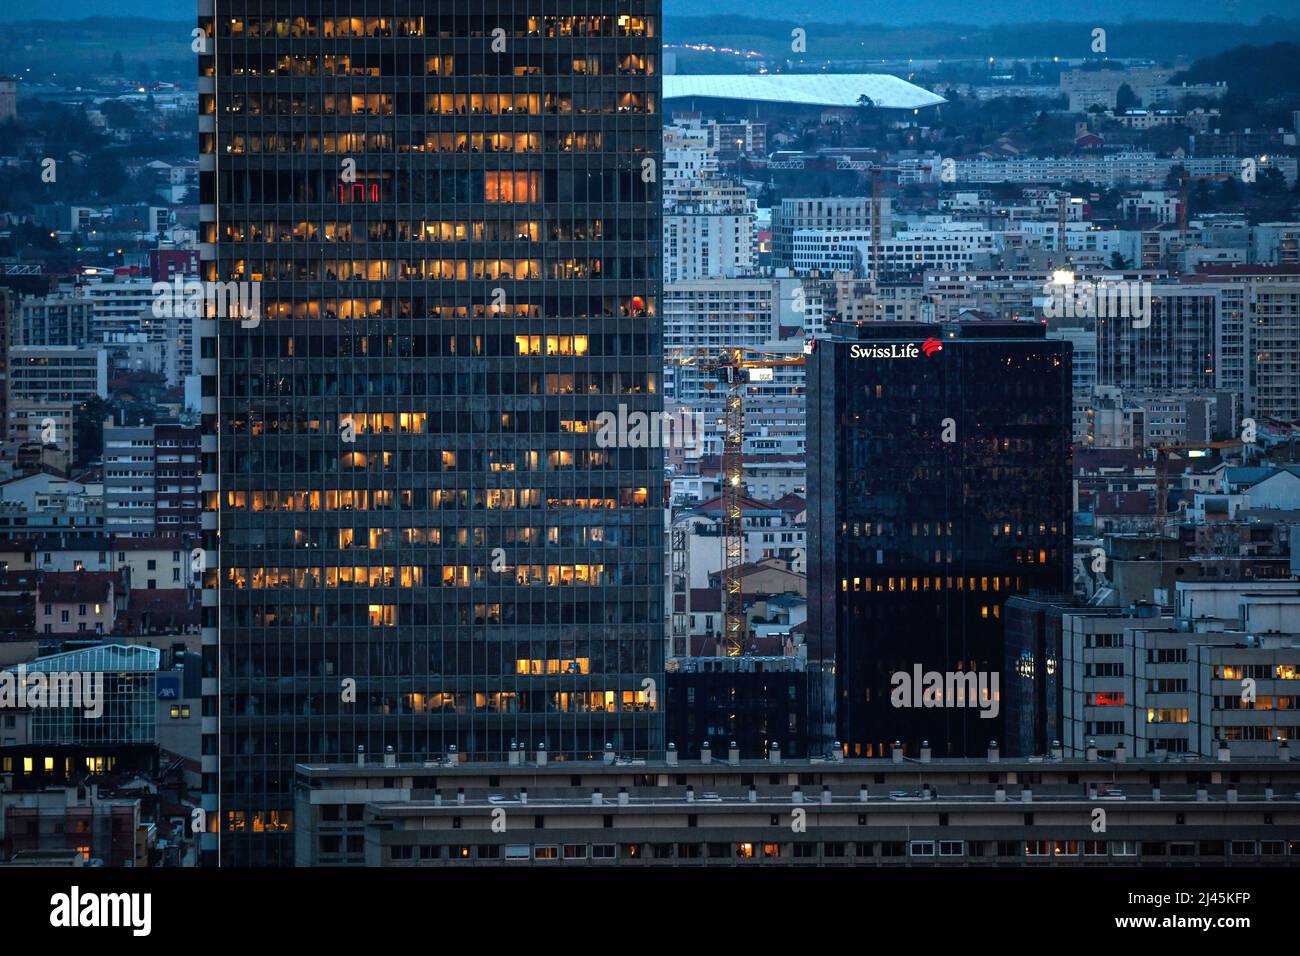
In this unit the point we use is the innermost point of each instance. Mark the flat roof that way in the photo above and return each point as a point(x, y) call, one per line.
point(805, 89)
point(936, 767)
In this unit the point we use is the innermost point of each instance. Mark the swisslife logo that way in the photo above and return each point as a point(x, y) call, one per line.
point(930, 347)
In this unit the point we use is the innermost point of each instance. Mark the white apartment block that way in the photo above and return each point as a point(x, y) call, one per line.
point(840, 214)
point(1109, 417)
point(1222, 669)
point(1155, 205)
point(774, 425)
point(1274, 310)
point(766, 533)
point(1112, 169)
point(1276, 242)
point(769, 477)
point(122, 305)
point(1173, 350)
point(1257, 339)
point(1086, 239)
point(1006, 295)
point(709, 240)
point(906, 254)
point(57, 374)
point(46, 423)
point(1083, 369)
point(59, 319)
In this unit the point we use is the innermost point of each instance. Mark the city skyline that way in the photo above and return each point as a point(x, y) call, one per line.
point(646, 436)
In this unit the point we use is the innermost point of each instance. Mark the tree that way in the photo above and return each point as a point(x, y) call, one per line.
point(1125, 98)
point(866, 110)
point(118, 67)
point(1117, 260)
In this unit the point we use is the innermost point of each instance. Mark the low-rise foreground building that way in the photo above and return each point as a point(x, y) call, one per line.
point(820, 812)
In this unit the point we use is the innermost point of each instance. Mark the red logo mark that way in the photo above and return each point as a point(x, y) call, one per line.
point(930, 346)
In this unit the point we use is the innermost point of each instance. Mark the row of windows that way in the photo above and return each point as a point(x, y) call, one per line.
point(389, 345)
point(455, 499)
point(317, 656)
point(443, 703)
point(565, 268)
point(1261, 702)
point(1284, 732)
point(747, 850)
point(432, 104)
point(1103, 670)
point(554, 306)
point(435, 230)
point(632, 183)
point(273, 461)
point(1258, 671)
point(616, 609)
point(94, 765)
point(1104, 640)
point(924, 584)
point(1102, 727)
point(448, 383)
point(388, 60)
point(527, 536)
point(406, 576)
point(441, 24)
point(402, 142)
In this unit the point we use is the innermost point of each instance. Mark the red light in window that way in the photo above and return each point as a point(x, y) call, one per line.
point(1110, 699)
point(359, 193)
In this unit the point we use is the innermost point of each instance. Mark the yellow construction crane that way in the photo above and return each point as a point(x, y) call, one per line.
point(1062, 209)
point(732, 367)
point(876, 264)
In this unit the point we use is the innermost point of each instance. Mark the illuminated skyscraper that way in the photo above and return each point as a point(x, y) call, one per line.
point(450, 215)
point(939, 487)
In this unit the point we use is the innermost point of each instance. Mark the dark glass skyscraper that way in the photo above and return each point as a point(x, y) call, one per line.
point(450, 213)
point(939, 486)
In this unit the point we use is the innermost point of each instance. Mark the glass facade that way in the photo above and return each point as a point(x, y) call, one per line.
point(111, 690)
point(449, 213)
point(939, 486)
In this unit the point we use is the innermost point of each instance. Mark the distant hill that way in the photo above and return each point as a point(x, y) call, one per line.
point(1102, 13)
point(1260, 72)
point(1160, 40)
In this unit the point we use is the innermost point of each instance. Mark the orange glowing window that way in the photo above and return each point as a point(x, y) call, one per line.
point(502, 187)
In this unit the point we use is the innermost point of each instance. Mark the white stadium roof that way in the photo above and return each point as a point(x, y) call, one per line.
point(808, 89)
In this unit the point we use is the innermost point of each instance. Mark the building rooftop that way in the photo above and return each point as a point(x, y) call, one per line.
point(1124, 503)
point(805, 89)
point(719, 764)
point(159, 610)
point(110, 658)
point(64, 587)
